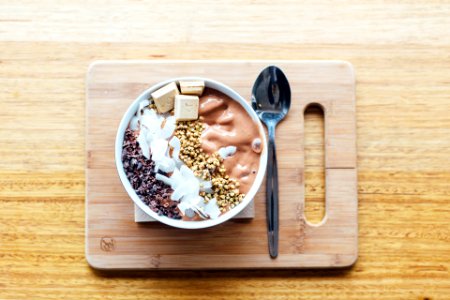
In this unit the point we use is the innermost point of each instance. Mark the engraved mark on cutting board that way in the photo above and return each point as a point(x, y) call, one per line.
point(155, 260)
point(107, 244)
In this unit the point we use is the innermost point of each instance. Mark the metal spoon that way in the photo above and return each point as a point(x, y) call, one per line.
point(271, 99)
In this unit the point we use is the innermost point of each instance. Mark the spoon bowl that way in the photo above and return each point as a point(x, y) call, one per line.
point(271, 95)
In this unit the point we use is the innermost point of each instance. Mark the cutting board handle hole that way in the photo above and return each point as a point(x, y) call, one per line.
point(314, 172)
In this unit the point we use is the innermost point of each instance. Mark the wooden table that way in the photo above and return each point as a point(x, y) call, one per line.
point(401, 56)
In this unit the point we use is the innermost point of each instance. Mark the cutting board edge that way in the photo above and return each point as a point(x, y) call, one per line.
point(95, 64)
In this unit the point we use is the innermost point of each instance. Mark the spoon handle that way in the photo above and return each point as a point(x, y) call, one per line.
point(272, 194)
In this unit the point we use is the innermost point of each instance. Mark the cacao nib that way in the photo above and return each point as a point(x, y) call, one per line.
point(140, 173)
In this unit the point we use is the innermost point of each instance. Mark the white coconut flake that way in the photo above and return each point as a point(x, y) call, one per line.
point(196, 203)
point(200, 211)
point(143, 143)
point(176, 178)
point(189, 213)
point(183, 206)
point(150, 137)
point(206, 186)
point(193, 186)
point(177, 194)
point(189, 206)
point(187, 173)
point(152, 123)
point(211, 209)
point(150, 112)
point(169, 127)
point(163, 178)
point(188, 187)
point(158, 148)
point(166, 165)
point(176, 145)
point(193, 199)
point(225, 152)
point(142, 104)
point(134, 123)
point(184, 184)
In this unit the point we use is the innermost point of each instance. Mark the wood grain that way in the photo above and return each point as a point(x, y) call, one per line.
point(400, 53)
point(113, 85)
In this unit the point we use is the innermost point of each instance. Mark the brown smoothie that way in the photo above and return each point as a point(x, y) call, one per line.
point(228, 124)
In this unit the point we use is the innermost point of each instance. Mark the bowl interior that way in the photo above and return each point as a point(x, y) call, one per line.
point(181, 223)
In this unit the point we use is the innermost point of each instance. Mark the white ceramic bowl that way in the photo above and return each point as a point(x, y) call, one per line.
point(180, 223)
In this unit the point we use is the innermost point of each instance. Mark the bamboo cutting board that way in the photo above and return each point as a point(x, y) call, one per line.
point(115, 241)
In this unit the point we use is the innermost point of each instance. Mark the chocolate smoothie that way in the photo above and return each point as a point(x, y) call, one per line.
point(228, 124)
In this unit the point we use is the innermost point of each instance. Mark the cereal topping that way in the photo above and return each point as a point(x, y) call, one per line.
point(208, 167)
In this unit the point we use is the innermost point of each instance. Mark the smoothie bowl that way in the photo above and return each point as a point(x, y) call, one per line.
point(190, 152)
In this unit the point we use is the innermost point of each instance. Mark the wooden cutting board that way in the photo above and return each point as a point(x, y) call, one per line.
point(115, 241)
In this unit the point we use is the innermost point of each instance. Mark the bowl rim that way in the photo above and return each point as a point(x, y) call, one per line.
point(130, 112)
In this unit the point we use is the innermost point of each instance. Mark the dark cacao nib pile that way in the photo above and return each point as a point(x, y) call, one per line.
point(140, 173)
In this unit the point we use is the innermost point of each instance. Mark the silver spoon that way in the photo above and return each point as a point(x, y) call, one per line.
point(271, 99)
